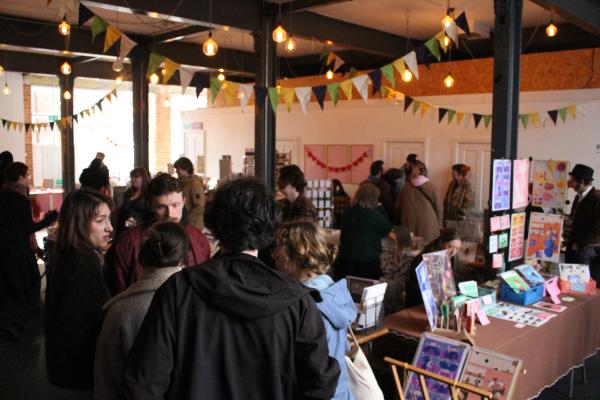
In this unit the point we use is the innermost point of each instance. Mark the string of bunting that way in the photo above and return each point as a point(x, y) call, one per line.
point(62, 123)
point(341, 168)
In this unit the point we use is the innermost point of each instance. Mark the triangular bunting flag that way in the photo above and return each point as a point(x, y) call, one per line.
point(411, 62)
point(125, 46)
point(98, 26)
point(76, 118)
point(320, 92)
point(451, 114)
point(424, 108)
point(20, 125)
point(334, 91)
point(112, 35)
point(535, 119)
point(524, 120)
point(347, 88)
point(441, 114)
point(303, 95)
point(563, 113)
point(388, 72)
point(487, 119)
point(154, 62)
point(407, 101)
point(338, 63)
point(324, 53)
point(88, 112)
point(260, 93)
point(84, 14)
point(52, 125)
point(3, 123)
point(459, 117)
point(245, 94)
point(200, 81)
point(441, 38)
point(169, 69)
point(215, 87)
point(434, 47)
point(553, 115)
point(99, 104)
point(422, 55)
point(27, 126)
point(462, 23)
point(230, 91)
point(415, 106)
point(572, 110)
point(477, 119)
point(375, 76)
point(274, 97)
point(70, 121)
point(330, 58)
point(361, 83)
point(452, 31)
point(400, 66)
point(185, 77)
point(288, 97)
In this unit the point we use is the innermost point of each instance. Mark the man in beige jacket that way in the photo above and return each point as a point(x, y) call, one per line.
point(193, 191)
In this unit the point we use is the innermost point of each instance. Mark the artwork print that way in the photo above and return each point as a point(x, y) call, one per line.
point(426, 293)
point(545, 234)
point(549, 183)
point(520, 192)
point(501, 185)
point(578, 275)
point(442, 356)
point(515, 282)
point(441, 278)
point(530, 274)
point(517, 236)
point(491, 371)
point(519, 315)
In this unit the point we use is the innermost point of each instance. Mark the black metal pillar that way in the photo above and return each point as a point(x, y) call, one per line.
point(264, 120)
point(507, 62)
point(67, 143)
point(140, 114)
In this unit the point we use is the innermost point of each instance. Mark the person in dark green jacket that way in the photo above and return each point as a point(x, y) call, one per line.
point(363, 226)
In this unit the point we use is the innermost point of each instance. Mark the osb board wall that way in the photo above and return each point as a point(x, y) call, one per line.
point(560, 70)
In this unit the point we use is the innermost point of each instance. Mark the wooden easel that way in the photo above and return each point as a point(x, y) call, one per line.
point(454, 386)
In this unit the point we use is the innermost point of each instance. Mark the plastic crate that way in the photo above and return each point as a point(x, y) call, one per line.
point(525, 298)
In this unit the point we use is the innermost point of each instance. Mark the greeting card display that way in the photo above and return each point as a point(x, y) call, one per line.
point(515, 282)
point(578, 276)
point(531, 276)
point(491, 371)
point(518, 314)
point(549, 183)
point(501, 185)
point(442, 356)
point(428, 298)
point(520, 192)
point(517, 236)
point(441, 278)
point(545, 234)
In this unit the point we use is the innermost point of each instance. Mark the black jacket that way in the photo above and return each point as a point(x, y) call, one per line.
point(231, 328)
point(74, 298)
point(586, 226)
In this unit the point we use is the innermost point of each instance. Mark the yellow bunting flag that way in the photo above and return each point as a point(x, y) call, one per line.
point(535, 119)
point(20, 126)
point(347, 88)
point(87, 112)
point(424, 108)
point(572, 111)
point(399, 65)
point(330, 58)
point(112, 35)
point(169, 69)
point(230, 91)
point(459, 117)
point(441, 38)
point(288, 97)
point(415, 106)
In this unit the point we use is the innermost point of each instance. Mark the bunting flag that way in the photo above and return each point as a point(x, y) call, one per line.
point(411, 63)
point(572, 111)
point(287, 94)
point(76, 118)
point(462, 23)
point(441, 38)
point(245, 94)
point(441, 113)
point(452, 31)
point(215, 87)
point(112, 35)
point(422, 55)
point(338, 64)
point(85, 14)
point(320, 92)
point(125, 46)
point(486, 120)
point(98, 26)
point(563, 113)
point(535, 119)
point(451, 114)
point(553, 115)
point(260, 94)
point(169, 69)
point(185, 77)
point(407, 101)
point(346, 87)
point(303, 95)
point(361, 83)
point(434, 48)
point(330, 58)
point(334, 91)
point(399, 65)
point(99, 104)
point(524, 120)
point(424, 108)
point(200, 82)
point(324, 53)
point(230, 91)
point(388, 71)
point(274, 97)
point(154, 62)
point(459, 117)
point(375, 76)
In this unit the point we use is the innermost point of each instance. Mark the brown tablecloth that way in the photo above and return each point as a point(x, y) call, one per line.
point(548, 352)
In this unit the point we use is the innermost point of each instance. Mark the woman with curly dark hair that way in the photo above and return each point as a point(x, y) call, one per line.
point(233, 328)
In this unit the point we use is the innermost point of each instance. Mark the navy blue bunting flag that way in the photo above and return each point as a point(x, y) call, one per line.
point(320, 92)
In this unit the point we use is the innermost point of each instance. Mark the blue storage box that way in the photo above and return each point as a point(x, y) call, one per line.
point(525, 298)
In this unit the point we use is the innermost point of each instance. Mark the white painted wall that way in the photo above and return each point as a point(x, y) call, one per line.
point(11, 108)
point(229, 131)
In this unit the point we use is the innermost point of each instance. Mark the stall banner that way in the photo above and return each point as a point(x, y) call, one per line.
point(545, 235)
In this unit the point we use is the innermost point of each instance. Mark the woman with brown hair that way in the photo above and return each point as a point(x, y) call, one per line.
point(363, 226)
point(75, 294)
point(133, 210)
point(460, 197)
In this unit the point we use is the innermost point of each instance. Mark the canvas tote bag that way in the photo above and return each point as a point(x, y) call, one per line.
point(361, 379)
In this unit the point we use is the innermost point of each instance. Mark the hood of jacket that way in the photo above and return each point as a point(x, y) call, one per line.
point(243, 286)
point(337, 304)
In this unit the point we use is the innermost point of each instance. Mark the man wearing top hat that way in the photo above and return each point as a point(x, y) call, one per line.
point(584, 241)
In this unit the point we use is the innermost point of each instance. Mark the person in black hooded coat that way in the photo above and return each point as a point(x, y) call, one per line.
point(233, 328)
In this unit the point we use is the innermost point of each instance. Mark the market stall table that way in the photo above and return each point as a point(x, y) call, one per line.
point(548, 352)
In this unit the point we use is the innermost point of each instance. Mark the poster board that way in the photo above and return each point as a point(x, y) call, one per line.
point(501, 185)
point(545, 234)
point(491, 371)
point(312, 171)
point(520, 188)
point(517, 236)
point(549, 183)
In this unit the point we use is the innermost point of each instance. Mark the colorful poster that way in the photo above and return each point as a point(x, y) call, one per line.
point(520, 187)
point(578, 275)
point(491, 371)
point(442, 356)
point(518, 314)
point(549, 183)
point(441, 278)
point(501, 185)
point(545, 234)
point(529, 273)
point(517, 236)
point(428, 299)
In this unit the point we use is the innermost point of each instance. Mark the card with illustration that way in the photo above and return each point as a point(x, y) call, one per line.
point(517, 236)
point(469, 288)
point(503, 240)
point(545, 235)
point(494, 224)
point(520, 195)
point(441, 278)
point(549, 183)
point(501, 185)
point(428, 299)
point(532, 277)
point(491, 371)
point(578, 275)
point(519, 315)
point(442, 356)
point(544, 305)
point(505, 222)
point(513, 280)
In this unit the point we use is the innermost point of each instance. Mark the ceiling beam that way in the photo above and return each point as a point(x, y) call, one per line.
point(177, 34)
point(303, 5)
point(583, 13)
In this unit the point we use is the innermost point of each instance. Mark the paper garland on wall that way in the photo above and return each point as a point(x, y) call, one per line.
point(339, 168)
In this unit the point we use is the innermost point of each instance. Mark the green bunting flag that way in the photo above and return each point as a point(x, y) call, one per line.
point(324, 53)
point(154, 62)
point(434, 47)
point(215, 87)
point(524, 120)
point(451, 114)
point(274, 97)
point(334, 92)
point(563, 113)
point(388, 72)
point(486, 120)
point(98, 26)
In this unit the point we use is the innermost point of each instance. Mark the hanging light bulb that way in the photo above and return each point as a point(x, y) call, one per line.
point(447, 41)
point(329, 74)
point(119, 79)
point(407, 75)
point(279, 34)
point(446, 21)
point(64, 28)
point(6, 89)
point(221, 76)
point(117, 66)
point(210, 47)
point(154, 78)
point(449, 81)
point(67, 95)
point(65, 68)
point(551, 30)
point(290, 45)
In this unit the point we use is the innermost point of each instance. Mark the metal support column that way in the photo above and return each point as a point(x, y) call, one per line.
point(67, 143)
point(264, 120)
point(140, 114)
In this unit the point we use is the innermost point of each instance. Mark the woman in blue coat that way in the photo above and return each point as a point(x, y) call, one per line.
point(302, 252)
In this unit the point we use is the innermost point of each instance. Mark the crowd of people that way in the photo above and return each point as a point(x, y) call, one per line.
point(144, 311)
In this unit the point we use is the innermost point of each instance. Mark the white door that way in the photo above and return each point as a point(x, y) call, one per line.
point(193, 147)
point(477, 155)
point(395, 152)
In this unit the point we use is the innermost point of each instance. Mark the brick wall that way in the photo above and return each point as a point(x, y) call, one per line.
point(28, 134)
point(163, 133)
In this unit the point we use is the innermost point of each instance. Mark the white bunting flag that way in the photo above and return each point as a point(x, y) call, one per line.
point(411, 62)
point(185, 77)
point(452, 31)
point(303, 95)
point(361, 83)
point(125, 46)
point(245, 92)
point(338, 63)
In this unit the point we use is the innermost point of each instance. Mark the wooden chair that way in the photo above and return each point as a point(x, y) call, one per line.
point(455, 387)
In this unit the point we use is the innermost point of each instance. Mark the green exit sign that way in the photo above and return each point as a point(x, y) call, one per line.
point(53, 118)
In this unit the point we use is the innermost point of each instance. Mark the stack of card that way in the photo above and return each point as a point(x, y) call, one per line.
point(529, 273)
point(514, 281)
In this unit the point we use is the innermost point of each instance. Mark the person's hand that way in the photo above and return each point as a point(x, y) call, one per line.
point(51, 216)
